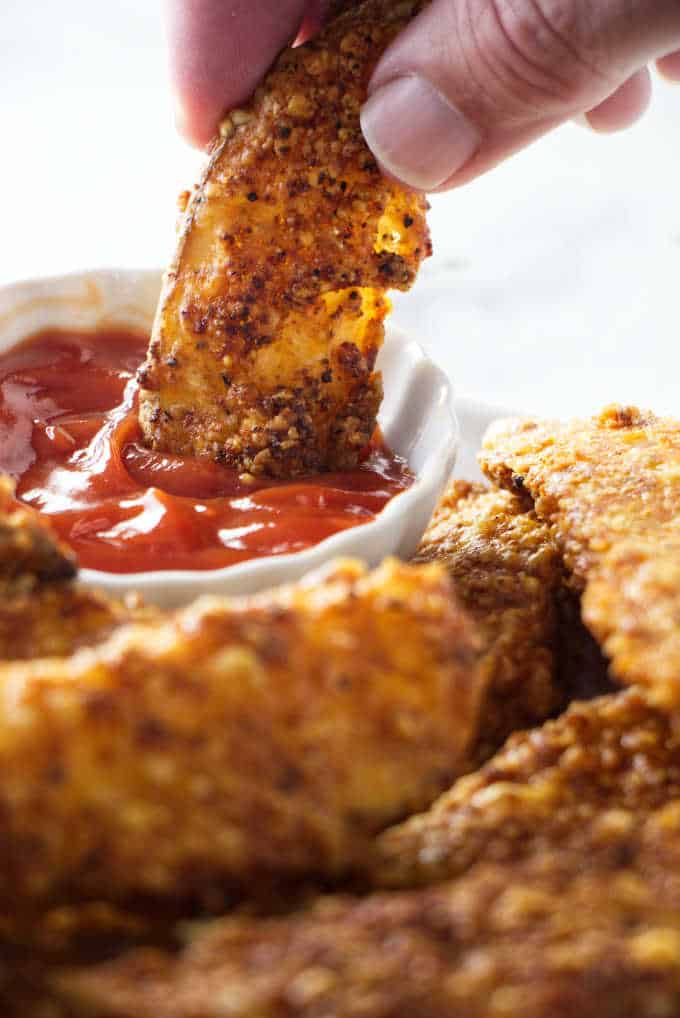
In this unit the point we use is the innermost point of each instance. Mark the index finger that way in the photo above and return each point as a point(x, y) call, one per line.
point(219, 52)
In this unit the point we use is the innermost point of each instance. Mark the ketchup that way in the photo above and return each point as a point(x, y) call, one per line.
point(69, 435)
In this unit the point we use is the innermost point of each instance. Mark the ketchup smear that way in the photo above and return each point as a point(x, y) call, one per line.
point(69, 436)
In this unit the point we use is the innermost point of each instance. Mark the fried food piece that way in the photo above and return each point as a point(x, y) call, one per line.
point(57, 619)
point(271, 735)
point(632, 605)
point(271, 315)
point(24, 992)
point(506, 573)
point(600, 482)
point(550, 946)
point(610, 488)
point(566, 902)
point(578, 791)
point(80, 936)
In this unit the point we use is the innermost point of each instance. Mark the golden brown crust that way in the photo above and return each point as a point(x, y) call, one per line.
point(77, 935)
point(269, 735)
point(610, 488)
point(270, 320)
point(632, 605)
point(57, 619)
point(24, 991)
point(506, 572)
point(549, 946)
point(566, 903)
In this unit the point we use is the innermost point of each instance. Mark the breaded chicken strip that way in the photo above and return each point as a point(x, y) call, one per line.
point(566, 902)
point(550, 945)
point(610, 488)
point(506, 573)
point(271, 316)
point(271, 735)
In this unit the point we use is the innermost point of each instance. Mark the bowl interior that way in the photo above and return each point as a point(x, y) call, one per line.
point(416, 417)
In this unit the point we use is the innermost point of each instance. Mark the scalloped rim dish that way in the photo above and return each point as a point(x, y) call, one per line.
point(417, 419)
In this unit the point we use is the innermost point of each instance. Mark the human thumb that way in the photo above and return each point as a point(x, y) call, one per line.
point(469, 82)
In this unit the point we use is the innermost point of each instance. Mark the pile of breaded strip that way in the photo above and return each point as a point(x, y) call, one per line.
point(444, 788)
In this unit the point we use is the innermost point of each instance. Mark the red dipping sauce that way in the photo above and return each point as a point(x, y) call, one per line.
point(69, 435)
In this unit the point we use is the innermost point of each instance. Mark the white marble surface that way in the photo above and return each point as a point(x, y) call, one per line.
point(556, 280)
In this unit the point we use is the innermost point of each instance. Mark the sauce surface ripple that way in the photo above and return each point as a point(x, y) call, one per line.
point(69, 436)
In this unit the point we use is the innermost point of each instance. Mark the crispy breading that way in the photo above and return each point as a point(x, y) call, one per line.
point(552, 945)
point(610, 488)
point(82, 935)
point(240, 738)
point(271, 316)
point(579, 791)
point(506, 573)
point(24, 992)
point(57, 619)
point(601, 481)
point(566, 902)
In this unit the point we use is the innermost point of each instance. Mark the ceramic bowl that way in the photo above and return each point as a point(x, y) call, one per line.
point(416, 417)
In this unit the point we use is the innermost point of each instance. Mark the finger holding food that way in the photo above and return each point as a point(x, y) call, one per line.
point(271, 316)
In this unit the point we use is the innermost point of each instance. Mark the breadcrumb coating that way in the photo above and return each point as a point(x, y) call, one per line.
point(271, 316)
point(272, 735)
point(610, 489)
point(552, 793)
point(506, 572)
point(566, 902)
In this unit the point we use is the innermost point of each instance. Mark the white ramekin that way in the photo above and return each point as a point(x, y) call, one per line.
point(417, 419)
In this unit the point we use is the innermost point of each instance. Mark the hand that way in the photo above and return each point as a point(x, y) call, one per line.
point(467, 84)
point(221, 49)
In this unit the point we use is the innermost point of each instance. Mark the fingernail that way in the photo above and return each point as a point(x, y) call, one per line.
point(416, 133)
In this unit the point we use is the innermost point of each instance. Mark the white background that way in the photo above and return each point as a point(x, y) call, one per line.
point(555, 284)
